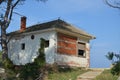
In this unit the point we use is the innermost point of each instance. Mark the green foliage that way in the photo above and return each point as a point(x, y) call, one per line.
point(110, 55)
point(118, 57)
point(65, 73)
point(8, 75)
point(106, 75)
point(8, 64)
point(116, 69)
point(40, 61)
point(32, 70)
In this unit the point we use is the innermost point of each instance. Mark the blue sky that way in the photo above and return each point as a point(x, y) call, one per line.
point(93, 16)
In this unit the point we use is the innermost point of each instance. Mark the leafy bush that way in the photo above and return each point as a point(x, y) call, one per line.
point(106, 75)
point(110, 56)
point(32, 70)
point(115, 70)
point(8, 64)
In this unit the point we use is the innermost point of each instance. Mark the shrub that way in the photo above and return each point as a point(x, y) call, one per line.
point(116, 69)
point(106, 75)
point(8, 64)
point(32, 70)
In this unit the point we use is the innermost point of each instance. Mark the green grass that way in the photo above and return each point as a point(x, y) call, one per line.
point(66, 74)
point(106, 75)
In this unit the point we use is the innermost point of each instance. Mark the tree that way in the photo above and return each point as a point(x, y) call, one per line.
point(113, 3)
point(6, 11)
point(110, 56)
point(115, 58)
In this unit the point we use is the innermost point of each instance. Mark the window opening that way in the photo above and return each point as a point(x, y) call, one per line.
point(81, 52)
point(32, 37)
point(46, 43)
point(81, 49)
point(23, 46)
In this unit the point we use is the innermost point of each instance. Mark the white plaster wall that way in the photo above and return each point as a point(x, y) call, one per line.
point(88, 54)
point(71, 60)
point(21, 57)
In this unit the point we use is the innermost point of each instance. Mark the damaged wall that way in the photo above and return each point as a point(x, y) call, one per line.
point(67, 49)
point(66, 44)
point(30, 52)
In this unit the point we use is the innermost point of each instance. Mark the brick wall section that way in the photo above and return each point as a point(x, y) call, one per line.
point(67, 51)
point(66, 44)
point(66, 38)
point(23, 23)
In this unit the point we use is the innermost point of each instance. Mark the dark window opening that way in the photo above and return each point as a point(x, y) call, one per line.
point(81, 49)
point(81, 53)
point(23, 46)
point(47, 43)
point(32, 37)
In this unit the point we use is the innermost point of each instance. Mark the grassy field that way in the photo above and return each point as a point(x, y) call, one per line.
point(66, 74)
point(106, 75)
point(54, 74)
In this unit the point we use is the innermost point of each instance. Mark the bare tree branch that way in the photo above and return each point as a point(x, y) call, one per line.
point(1, 1)
point(11, 11)
point(7, 13)
point(18, 13)
point(16, 3)
point(112, 5)
point(8, 9)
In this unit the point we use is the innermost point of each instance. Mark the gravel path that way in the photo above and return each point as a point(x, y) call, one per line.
point(90, 74)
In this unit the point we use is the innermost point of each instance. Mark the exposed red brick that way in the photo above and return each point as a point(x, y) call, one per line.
point(65, 44)
point(66, 51)
point(23, 23)
point(66, 38)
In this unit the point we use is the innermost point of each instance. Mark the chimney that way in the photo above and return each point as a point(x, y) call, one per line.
point(23, 24)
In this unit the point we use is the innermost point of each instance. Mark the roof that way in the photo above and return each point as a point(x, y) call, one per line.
point(57, 24)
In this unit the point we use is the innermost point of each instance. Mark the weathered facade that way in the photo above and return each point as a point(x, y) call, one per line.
point(65, 44)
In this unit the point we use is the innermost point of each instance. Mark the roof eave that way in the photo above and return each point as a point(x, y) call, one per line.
point(74, 34)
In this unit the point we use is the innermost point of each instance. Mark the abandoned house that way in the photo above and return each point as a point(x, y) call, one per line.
point(65, 44)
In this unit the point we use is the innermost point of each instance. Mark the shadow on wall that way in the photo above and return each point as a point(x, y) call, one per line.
point(0, 58)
